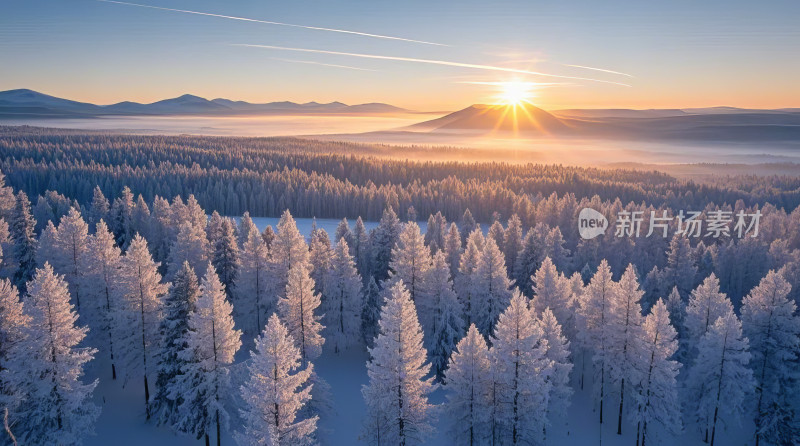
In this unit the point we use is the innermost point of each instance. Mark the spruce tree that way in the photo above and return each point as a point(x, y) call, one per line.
point(411, 260)
point(24, 253)
point(226, 258)
point(253, 284)
point(298, 312)
point(491, 286)
point(191, 245)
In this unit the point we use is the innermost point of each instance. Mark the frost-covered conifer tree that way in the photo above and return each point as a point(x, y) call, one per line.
point(56, 406)
point(191, 245)
point(436, 296)
point(276, 391)
point(360, 248)
point(246, 226)
point(343, 232)
point(626, 331)
point(225, 256)
point(179, 303)
point(101, 263)
point(370, 312)
point(287, 250)
point(656, 398)
point(73, 234)
point(24, 252)
point(320, 253)
point(13, 328)
point(491, 286)
point(398, 390)
point(530, 258)
point(446, 333)
point(595, 311)
point(298, 311)
point(468, 225)
point(141, 312)
point(211, 343)
point(468, 382)
point(512, 243)
point(552, 290)
point(720, 378)
point(411, 260)
point(770, 322)
point(253, 284)
point(558, 351)
point(48, 245)
point(341, 303)
point(382, 241)
point(98, 210)
point(706, 304)
point(522, 372)
point(464, 282)
point(452, 249)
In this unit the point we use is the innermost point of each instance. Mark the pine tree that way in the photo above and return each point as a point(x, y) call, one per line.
point(595, 311)
point(411, 260)
point(297, 311)
point(287, 250)
point(720, 378)
point(102, 261)
point(625, 330)
point(246, 226)
point(491, 286)
point(342, 300)
point(276, 390)
point(24, 254)
point(225, 257)
point(656, 396)
point(13, 328)
point(57, 406)
point(179, 303)
point(211, 343)
point(436, 298)
point(191, 245)
point(770, 322)
point(558, 352)
point(370, 312)
point(253, 284)
point(73, 234)
point(467, 379)
point(706, 304)
point(523, 373)
point(397, 393)
point(141, 312)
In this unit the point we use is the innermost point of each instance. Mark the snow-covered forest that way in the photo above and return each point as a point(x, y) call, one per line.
point(488, 328)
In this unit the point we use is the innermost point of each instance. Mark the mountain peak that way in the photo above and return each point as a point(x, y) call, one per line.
point(525, 117)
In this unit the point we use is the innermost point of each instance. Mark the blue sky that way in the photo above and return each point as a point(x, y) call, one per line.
point(679, 53)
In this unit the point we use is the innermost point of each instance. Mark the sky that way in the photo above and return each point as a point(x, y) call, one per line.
point(421, 55)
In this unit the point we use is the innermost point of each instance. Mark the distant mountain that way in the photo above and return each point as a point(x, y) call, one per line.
point(24, 103)
point(717, 124)
point(523, 118)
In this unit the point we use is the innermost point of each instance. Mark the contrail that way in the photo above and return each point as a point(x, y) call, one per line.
point(529, 84)
point(310, 62)
point(245, 19)
point(429, 61)
point(598, 69)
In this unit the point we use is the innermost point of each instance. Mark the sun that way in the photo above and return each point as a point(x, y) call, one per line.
point(515, 93)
